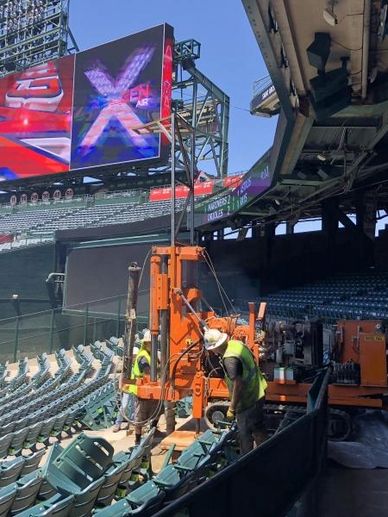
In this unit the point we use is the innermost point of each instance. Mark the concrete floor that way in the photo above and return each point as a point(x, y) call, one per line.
point(120, 441)
point(353, 492)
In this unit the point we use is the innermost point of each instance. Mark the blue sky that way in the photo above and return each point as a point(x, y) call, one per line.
point(230, 56)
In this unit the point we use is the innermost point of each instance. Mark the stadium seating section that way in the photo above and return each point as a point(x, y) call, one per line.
point(36, 408)
point(32, 225)
point(87, 477)
point(359, 296)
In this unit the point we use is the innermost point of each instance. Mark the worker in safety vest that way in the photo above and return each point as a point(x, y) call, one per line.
point(246, 386)
point(127, 403)
point(146, 410)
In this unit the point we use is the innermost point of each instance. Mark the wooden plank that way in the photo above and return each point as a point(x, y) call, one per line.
point(182, 440)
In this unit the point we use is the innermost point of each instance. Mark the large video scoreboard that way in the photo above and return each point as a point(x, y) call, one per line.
point(88, 111)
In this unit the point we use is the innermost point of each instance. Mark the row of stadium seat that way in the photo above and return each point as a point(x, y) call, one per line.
point(86, 478)
point(43, 406)
point(12, 470)
point(350, 297)
point(22, 389)
point(52, 420)
point(207, 455)
point(49, 400)
point(69, 482)
point(43, 221)
point(80, 480)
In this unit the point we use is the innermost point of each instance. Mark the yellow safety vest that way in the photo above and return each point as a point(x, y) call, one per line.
point(253, 380)
point(136, 373)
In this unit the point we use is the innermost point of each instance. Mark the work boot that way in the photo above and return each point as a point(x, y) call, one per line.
point(124, 426)
point(137, 439)
point(116, 428)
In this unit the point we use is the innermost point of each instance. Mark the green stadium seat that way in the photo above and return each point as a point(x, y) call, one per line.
point(32, 461)
point(5, 442)
point(45, 431)
point(194, 455)
point(119, 509)
point(57, 506)
point(111, 481)
point(7, 497)
point(7, 429)
point(148, 496)
point(27, 490)
point(84, 461)
point(71, 420)
point(59, 423)
point(132, 463)
point(32, 435)
point(18, 441)
point(10, 471)
point(20, 424)
point(84, 501)
point(46, 491)
point(168, 478)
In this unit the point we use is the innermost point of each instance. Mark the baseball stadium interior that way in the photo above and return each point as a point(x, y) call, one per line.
point(125, 237)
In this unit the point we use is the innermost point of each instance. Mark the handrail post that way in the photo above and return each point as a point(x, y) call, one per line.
point(86, 323)
point(118, 318)
point(16, 339)
point(52, 321)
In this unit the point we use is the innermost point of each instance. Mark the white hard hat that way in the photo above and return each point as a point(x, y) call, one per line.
point(147, 336)
point(214, 339)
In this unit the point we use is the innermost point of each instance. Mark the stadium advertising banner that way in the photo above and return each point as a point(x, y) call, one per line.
point(255, 183)
point(90, 110)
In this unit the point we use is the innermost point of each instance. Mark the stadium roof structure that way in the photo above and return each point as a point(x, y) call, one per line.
point(328, 64)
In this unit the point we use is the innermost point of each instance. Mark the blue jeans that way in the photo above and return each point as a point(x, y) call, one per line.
point(127, 407)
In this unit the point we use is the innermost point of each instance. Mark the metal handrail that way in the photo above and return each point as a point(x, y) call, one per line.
point(261, 85)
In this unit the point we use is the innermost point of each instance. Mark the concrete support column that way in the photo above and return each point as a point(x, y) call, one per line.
point(290, 225)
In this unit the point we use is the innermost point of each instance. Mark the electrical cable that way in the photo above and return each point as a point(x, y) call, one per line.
point(163, 377)
point(163, 387)
point(143, 267)
point(212, 268)
point(217, 282)
point(345, 47)
point(157, 411)
point(190, 347)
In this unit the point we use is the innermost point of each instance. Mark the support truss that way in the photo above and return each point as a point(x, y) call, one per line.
point(33, 32)
point(204, 106)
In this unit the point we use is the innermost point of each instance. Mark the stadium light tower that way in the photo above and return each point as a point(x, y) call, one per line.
point(33, 32)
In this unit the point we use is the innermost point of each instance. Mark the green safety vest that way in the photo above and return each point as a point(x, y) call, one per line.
point(253, 380)
point(136, 373)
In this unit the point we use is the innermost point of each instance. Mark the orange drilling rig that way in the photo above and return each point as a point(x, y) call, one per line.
point(176, 316)
point(177, 323)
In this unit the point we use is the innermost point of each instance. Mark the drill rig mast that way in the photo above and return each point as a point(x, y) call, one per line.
point(176, 314)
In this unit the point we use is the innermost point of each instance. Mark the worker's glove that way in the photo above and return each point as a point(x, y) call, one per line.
point(231, 414)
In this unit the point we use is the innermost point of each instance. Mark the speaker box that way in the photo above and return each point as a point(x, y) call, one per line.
point(319, 50)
